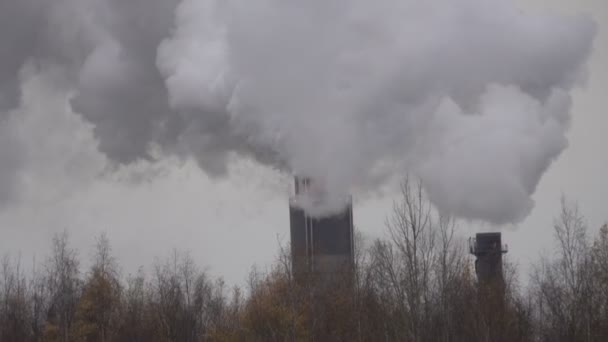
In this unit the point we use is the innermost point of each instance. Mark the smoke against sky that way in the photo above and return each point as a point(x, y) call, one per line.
point(472, 96)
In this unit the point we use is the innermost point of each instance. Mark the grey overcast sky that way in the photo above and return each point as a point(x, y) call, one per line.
point(230, 224)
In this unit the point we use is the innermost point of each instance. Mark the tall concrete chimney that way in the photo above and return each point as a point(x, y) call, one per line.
point(320, 246)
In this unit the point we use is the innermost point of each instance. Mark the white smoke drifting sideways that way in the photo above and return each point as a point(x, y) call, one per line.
point(472, 96)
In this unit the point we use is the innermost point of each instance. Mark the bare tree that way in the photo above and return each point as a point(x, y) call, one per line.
point(404, 265)
point(64, 287)
point(600, 285)
point(136, 318)
point(563, 286)
point(14, 309)
point(39, 302)
point(98, 309)
point(183, 299)
point(449, 270)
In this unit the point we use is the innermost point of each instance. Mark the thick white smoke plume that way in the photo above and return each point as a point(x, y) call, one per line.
point(470, 95)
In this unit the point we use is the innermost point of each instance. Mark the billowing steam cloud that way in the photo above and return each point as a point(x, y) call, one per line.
point(470, 95)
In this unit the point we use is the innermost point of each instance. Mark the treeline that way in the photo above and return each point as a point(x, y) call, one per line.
point(417, 284)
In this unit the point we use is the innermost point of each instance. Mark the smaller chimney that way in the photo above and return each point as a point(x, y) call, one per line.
point(488, 249)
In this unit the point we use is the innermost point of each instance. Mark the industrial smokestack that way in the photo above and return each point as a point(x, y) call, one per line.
point(488, 249)
point(320, 245)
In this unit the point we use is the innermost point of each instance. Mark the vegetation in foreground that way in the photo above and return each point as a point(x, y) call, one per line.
point(416, 285)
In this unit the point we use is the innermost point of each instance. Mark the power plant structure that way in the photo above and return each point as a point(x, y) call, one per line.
point(322, 247)
point(488, 249)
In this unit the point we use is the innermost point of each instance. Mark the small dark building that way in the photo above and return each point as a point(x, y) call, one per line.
point(488, 249)
point(322, 246)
